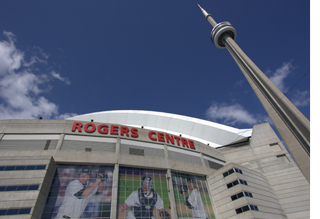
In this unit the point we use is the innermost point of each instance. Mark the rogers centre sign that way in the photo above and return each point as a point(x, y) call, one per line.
point(132, 132)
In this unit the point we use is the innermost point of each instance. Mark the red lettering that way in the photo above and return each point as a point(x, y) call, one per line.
point(150, 135)
point(86, 127)
point(191, 144)
point(177, 139)
point(114, 130)
point(160, 136)
point(77, 125)
point(124, 130)
point(184, 142)
point(169, 138)
point(134, 133)
point(103, 129)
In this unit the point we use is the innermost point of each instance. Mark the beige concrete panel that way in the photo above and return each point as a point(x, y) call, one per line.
point(30, 174)
point(19, 195)
point(36, 126)
point(259, 214)
point(15, 182)
point(82, 157)
point(16, 204)
point(25, 216)
point(299, 215)
point(22, 154)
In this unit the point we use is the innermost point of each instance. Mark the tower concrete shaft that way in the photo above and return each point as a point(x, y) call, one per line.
point(292, 125)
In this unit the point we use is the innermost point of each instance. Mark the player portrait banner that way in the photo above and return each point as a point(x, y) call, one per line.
point(80, 192)
point(191, 196)
point(143, 194)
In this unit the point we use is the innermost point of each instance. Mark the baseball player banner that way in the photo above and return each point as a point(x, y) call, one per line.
point(80, 192)
point(192, 197)
point(143, 194)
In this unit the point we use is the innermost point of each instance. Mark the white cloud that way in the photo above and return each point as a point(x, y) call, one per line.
point(21, 92)
point(57, 76)
point(301, 98)
point(230, 114)
point(280, 74)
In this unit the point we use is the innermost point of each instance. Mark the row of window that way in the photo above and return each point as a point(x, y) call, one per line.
point(14, 211)
point(18, 188)
point(236, 182)
point(247, 208)
point(240, 195)
point(232, 171)
point(30, 167)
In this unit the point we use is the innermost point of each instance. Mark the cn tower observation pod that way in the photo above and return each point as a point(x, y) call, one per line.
point(213, 134)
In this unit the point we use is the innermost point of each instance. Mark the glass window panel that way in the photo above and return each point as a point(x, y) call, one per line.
point(11, 188)
point(33, 187)
point(24, 211)
point(22, 188)
point(9, 168)
point(40, 167)
point(238, 211)
point(225, 174)
point(240, 195)
point(2, 188)
point(2, 168)
point(31, 167)
point(12, 211)
point(3, 212)
point(20, 167)
point(234, 197)
point(245, 208)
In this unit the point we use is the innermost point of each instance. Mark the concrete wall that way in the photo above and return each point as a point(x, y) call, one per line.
point(278, 187)
point(267, 155)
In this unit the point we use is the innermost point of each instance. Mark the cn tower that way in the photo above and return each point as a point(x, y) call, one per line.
point(292, 125)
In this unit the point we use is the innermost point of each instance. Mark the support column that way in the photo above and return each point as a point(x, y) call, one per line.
point(173, 206)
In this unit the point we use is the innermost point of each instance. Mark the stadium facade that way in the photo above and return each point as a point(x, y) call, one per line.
point(143, 164)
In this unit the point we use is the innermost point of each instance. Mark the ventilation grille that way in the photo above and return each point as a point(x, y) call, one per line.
point(18, 145)
point(135, 151)
point(184, 157)
point(142, 151)
point(69, 145)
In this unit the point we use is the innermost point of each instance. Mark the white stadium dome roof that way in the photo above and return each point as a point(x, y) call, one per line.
point(200, 130)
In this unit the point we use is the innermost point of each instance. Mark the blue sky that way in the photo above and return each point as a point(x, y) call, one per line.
point(64, 58)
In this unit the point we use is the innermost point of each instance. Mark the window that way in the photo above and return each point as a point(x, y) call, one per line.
point(15, 211)
point(232, 171)
point(30, 167)
point(254, 208)
point(247, 208)
point(18, 188)
point(236, 182)
point(240, 195)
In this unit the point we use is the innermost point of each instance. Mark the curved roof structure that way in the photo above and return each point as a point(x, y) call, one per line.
point(200, 130)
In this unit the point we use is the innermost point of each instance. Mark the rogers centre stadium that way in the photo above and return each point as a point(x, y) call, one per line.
point(146, 165)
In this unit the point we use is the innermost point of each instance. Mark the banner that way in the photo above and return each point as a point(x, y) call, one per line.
point(191, 196)
point(143, 194)
point(80, 192)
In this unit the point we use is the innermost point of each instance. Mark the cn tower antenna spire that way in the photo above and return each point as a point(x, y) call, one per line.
point(208, 16)
point(292, 125)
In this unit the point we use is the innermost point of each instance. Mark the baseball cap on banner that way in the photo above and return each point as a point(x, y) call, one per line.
point(86, 170)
